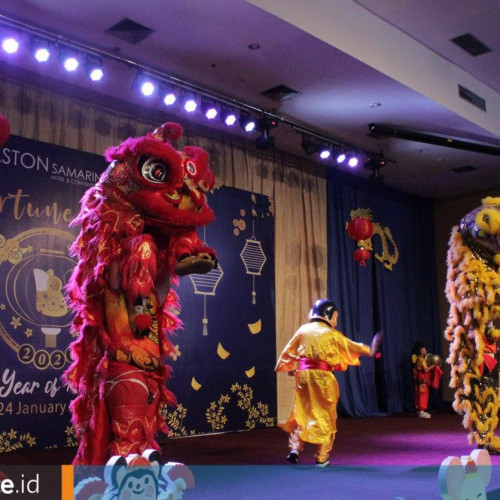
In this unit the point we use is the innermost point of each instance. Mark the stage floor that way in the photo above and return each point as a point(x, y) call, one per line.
point(394, 457)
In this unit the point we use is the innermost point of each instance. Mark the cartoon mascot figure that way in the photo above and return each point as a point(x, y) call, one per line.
point(473, 291)
point(138, 233)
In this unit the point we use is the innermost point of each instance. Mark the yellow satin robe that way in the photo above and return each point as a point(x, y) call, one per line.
point(317, 391)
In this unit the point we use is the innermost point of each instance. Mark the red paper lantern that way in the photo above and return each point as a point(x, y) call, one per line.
point(361, 255)
point(4, 130)
point(360, 228)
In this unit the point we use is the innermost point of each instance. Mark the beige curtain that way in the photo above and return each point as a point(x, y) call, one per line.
point(297, 189)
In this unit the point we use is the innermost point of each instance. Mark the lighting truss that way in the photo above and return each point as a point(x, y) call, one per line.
point(160, 79)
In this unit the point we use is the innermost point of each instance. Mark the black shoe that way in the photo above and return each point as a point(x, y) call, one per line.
point(293, 457)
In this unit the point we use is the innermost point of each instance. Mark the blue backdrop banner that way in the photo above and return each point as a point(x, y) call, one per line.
point(223, 374)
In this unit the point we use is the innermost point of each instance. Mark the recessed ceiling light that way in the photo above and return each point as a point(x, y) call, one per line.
point(253, 46)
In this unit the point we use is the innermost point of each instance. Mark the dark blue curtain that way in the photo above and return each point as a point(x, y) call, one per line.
point(401, 302)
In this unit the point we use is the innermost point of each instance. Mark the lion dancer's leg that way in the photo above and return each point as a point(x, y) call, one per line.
point(476, 397)
point(132, 397)
point(481, 415)
point(489, 397)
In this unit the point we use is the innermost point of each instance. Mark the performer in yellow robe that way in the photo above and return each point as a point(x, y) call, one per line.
point(312, 354)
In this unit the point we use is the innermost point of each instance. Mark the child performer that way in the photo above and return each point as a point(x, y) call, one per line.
point(425, 374)
point(314, 352)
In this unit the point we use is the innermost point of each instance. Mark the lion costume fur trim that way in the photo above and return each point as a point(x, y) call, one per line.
point(473, 291)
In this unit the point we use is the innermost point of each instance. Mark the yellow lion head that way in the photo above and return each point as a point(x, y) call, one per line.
point(480, 229)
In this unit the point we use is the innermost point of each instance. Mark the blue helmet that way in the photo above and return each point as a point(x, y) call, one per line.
point(323, 310)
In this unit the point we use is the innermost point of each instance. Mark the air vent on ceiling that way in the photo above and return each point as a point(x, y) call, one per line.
point(474, 99)
point(471, 44)
point(280, 93)
point(129, 30)
point(464, 169)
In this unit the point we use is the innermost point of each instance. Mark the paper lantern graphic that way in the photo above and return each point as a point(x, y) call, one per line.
point(254, 259)
point(206, 284)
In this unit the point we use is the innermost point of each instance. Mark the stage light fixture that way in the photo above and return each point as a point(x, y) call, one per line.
point(324, 151)
point(309, 144)
point(189, 102)
point(352, 161)
point(94, 69)
point(264, 125)
point(227, 115)
point(169, 96)
point(208, 108)
point(247, 123)
point(146, 84)
point(10, 45)
point(42, 54)
point(341, 157)
point(71, 63)
point(40, 49)
point(375, 162)
point(148, 88)
point(264, 141)
point(70, 60)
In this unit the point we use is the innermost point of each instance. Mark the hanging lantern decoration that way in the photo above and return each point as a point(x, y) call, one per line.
point(254, 259)
point(360, 229)
point(252, 255)
point(206, 284)
point(361, 255)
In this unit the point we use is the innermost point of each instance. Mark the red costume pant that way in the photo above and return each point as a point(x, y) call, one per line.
point(421, 396)
point(132, 398)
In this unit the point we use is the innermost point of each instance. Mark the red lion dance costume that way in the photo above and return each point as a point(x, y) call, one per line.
point(138, 232)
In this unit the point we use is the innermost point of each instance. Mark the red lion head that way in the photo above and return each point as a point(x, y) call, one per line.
point(164, 185)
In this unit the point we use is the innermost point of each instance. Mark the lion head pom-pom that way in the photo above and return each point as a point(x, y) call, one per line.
point(168, 132)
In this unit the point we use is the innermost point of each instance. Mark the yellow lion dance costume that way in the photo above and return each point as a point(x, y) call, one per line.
point(473, 291)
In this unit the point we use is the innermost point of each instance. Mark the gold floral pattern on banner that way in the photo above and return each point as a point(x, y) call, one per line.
point(256, 413)
point(216, 413)
point(71, 439)
point(175, 421)
point(10, 441)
